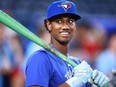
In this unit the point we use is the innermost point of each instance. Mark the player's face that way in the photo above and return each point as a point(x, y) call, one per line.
point(62, 29)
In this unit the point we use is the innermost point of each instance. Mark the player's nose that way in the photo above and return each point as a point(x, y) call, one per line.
point(65, 26)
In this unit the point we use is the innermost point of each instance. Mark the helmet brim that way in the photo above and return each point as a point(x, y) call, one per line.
point(71, 15)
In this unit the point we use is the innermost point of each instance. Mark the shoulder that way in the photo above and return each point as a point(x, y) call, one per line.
point(38, 56)
point(75, 59)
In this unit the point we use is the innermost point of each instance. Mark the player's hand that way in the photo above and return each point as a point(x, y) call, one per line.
point(82, 73)
point(100, 79)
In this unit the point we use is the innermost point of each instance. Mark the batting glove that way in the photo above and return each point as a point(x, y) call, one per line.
point(100, 79)
point(82, 73)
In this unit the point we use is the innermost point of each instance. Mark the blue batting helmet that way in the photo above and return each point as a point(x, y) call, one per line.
point(62, 7)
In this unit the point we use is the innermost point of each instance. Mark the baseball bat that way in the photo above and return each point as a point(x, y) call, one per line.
point(19, 28)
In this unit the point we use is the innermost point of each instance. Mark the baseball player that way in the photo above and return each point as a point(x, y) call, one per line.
point(45, 69)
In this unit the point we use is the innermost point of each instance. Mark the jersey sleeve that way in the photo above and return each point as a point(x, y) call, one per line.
point(37, 70)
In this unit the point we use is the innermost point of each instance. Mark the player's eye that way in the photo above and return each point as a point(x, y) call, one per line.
point(58, 21)
point(71, 21)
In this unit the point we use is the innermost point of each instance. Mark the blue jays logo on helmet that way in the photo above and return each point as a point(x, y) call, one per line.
point(65, 5)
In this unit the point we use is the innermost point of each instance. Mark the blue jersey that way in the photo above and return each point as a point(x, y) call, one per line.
point(47, 70)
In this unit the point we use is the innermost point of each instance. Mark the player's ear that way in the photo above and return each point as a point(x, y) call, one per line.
point(48, 25)
point(75, 28)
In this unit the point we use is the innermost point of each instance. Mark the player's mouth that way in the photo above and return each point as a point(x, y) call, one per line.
point(65, 34)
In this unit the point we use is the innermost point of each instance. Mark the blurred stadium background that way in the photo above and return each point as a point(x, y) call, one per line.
point(96, 36)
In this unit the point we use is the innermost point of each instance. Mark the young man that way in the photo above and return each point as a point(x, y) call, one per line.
point(45, 69)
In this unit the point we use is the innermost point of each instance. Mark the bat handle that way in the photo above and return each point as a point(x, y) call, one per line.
point(90, 80)
point(92, 83)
